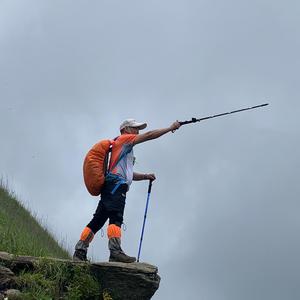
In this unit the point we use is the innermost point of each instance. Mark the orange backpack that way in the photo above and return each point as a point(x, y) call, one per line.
point(95, 165)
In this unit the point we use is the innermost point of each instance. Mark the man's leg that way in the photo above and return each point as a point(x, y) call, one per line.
point(114, 238)
point(88, 233)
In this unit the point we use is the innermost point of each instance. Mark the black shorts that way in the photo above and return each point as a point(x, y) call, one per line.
point(111, 206)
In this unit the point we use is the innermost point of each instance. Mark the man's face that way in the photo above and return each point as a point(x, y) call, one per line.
point(132, 130)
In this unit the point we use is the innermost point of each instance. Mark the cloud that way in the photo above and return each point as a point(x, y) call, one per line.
point(222, 221)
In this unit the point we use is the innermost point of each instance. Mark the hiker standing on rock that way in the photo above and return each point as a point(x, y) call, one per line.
point(113, 193)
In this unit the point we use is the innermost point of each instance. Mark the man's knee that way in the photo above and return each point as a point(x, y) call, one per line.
point(116, 219)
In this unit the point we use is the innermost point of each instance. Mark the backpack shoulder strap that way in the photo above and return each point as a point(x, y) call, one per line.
point(108, 156)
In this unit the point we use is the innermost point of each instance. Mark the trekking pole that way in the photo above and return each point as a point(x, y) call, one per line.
point(194, 120)
point(145, 216)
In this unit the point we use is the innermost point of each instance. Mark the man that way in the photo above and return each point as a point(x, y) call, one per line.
point(113, 194)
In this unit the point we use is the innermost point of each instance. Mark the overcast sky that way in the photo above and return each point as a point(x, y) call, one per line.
point(223, 221)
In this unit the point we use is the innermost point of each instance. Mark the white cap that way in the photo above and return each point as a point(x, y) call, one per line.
point(133, 123)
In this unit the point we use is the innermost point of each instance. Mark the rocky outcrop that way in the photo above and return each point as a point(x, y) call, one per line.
point(137, 280)
point(7, 278)
point(126, 281)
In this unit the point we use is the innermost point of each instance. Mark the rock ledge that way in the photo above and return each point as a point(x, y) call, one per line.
point(135, 281)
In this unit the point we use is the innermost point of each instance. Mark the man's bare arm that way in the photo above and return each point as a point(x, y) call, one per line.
point(154, 134)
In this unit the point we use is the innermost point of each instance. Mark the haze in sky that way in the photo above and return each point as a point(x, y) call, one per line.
point(223, 220)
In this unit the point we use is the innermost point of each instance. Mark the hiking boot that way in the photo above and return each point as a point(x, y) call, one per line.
point(121, 257)
point(116, 252)
point(80, 255)
point(81, 249)
point(82, 245)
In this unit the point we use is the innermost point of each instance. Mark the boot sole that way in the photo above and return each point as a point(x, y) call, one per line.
point(126, 262)
point(77, 259)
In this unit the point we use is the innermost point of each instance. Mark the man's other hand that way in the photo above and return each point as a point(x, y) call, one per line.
point(150, 177)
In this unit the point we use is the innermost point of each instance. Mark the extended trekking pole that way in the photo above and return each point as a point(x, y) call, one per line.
point(194, 120)
point(145, 216)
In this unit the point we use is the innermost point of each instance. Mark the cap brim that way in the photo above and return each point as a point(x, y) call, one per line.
point(140, 126)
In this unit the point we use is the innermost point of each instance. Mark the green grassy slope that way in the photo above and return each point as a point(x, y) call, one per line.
point(20, 232)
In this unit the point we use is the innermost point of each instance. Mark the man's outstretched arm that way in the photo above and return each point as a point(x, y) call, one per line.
point(154, 134)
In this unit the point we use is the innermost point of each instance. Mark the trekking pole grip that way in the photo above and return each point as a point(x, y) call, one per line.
point(150, 186)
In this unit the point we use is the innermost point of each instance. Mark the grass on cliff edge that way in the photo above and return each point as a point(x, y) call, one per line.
point(21, 233)
point(58, 280)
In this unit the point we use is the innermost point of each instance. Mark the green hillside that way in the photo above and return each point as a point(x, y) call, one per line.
point(20, 232)
point(47, 278)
